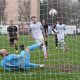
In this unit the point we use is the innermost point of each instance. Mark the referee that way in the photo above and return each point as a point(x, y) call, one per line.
point(13, 35)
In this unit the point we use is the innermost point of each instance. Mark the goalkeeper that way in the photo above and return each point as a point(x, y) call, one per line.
point(15, 62)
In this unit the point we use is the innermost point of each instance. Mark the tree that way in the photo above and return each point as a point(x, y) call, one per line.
point(68, 10)
point(2, 10)
point(24, 10)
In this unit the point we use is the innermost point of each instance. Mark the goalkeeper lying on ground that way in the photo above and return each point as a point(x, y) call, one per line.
point(22, 61)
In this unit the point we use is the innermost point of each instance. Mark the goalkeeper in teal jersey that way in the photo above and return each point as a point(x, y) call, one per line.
point(22, 61)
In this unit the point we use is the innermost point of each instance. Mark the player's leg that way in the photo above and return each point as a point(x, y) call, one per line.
point(31, 65)
point(15, 44)
point(45, 33)
point(46, 43)
point(56, 40)
point(11, 41)
point(59, 40)
point(34, 46)
point(63, 44)
point(44, 50)
point(41, 40)
point(46, 36)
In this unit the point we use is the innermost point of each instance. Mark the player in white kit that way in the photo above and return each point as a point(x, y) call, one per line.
point(60, 27)
point(36, 31)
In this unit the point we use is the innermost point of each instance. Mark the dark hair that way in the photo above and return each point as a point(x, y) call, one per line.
point(33, 17)
point(44, 20)
point(22, 47)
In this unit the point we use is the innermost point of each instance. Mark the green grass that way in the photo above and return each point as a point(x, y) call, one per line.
point(57, 59)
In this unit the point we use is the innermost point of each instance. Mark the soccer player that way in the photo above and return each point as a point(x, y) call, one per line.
point(55, 35)
point(45, 32)
point(15, 62)
point(36, 32)
point(13, 35)
point(60, 27)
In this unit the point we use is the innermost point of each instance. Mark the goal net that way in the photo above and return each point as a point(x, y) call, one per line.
point(60, 64)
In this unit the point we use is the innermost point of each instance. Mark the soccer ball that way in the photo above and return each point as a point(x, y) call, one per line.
point(53, 12)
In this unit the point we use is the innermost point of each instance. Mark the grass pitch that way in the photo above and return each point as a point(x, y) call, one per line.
point(59, 66)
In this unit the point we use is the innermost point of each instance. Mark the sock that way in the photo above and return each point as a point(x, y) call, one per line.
point(16, 47)
point(44, 50)
point(46, 43)
point(62, 44)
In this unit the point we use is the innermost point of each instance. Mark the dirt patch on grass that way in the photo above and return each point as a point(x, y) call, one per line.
point(64, 68)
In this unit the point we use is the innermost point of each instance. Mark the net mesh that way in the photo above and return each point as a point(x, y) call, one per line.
point(60, 65)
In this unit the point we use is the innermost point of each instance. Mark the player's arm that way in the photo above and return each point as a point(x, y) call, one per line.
point(54, 28)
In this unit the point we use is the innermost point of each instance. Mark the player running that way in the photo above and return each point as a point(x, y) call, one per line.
point(15, 62)
point(36, 32)
point(60, 27)
point(13, 35)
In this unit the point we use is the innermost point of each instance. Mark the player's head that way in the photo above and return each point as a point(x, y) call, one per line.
point(60, 21)
point(43, 21)
point(11, 22)
point(3, 52)
point(33, 19)
point(22, 47)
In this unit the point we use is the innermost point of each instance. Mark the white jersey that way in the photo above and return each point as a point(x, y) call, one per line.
point(60, 28)
point(36, 30)
point(61, 31)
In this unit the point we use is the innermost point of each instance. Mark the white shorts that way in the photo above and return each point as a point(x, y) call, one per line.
point(39, 39)
point(60, 36)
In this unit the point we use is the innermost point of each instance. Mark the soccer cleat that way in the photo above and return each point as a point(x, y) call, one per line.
point(46, 57)
point(66, 49)
point(42, 66)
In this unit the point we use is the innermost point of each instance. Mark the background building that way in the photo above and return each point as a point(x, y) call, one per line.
point(22, 10)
